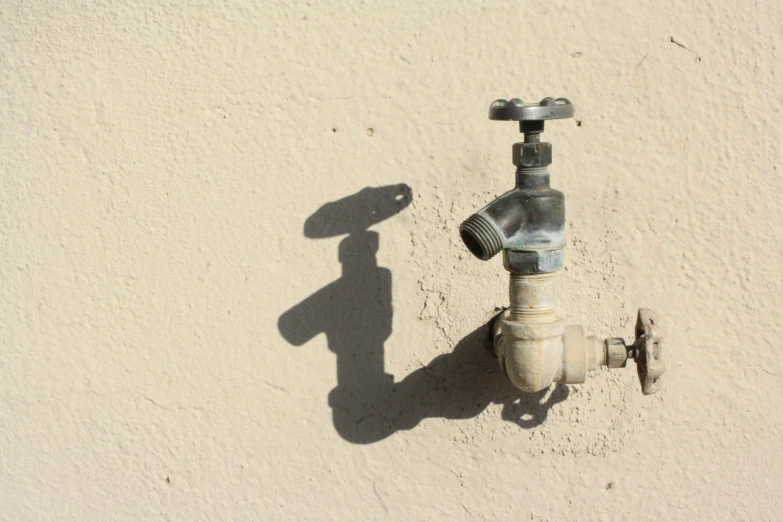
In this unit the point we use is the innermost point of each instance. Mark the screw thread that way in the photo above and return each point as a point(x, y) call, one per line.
point(480, 237)
point(532, 296)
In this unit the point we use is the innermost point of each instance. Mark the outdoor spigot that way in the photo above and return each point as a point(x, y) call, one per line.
point(527, 223)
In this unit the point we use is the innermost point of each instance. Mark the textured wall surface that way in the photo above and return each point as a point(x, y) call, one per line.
point(231, 284)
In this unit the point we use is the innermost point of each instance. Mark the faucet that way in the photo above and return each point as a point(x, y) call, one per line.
point(533, 345)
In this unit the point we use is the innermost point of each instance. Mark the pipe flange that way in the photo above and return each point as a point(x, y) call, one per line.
point(517, 110)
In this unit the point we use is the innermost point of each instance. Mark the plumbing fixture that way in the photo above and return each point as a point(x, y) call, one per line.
point(534, 346)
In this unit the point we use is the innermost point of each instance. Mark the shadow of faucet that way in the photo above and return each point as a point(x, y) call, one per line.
point(355, 312)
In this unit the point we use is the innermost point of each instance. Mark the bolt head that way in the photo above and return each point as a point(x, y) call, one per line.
point(616, 354)
point(532, 154)
point(532, 261)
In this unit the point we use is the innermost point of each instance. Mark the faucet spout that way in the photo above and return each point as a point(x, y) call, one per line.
point(530, 217)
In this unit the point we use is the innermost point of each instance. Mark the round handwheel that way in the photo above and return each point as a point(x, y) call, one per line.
point(517, 110)
point(649, 351)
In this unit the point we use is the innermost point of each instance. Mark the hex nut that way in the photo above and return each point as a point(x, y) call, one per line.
point(616, 354)
point(532, 261)
point(532, 154)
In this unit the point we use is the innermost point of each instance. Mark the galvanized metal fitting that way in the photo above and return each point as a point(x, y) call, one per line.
point(616, 353)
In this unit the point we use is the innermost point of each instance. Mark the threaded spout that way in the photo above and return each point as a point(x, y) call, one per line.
point(480, 237)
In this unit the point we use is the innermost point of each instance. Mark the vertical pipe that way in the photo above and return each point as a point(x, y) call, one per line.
point(532, 297)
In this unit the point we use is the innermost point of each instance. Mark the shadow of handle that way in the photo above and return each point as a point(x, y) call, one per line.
point(358, 212)
point(536, 410)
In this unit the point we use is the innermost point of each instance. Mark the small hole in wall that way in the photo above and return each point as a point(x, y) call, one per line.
point(370, 131)
point(334, 130)
point(578, 123)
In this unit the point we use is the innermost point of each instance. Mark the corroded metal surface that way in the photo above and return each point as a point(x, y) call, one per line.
point(648, 350)
point(527, 223)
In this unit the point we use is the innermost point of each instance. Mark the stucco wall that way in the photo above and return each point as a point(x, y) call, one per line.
point(189, 332)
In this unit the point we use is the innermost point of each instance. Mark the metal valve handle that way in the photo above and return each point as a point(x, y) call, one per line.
point(518, 110)
point(531, 116)
point(647, 350)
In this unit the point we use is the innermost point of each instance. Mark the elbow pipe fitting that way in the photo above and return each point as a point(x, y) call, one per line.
point(533, 345)
point(534, 356)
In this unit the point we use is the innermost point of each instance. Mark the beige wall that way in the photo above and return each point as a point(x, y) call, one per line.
point(160, 357)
